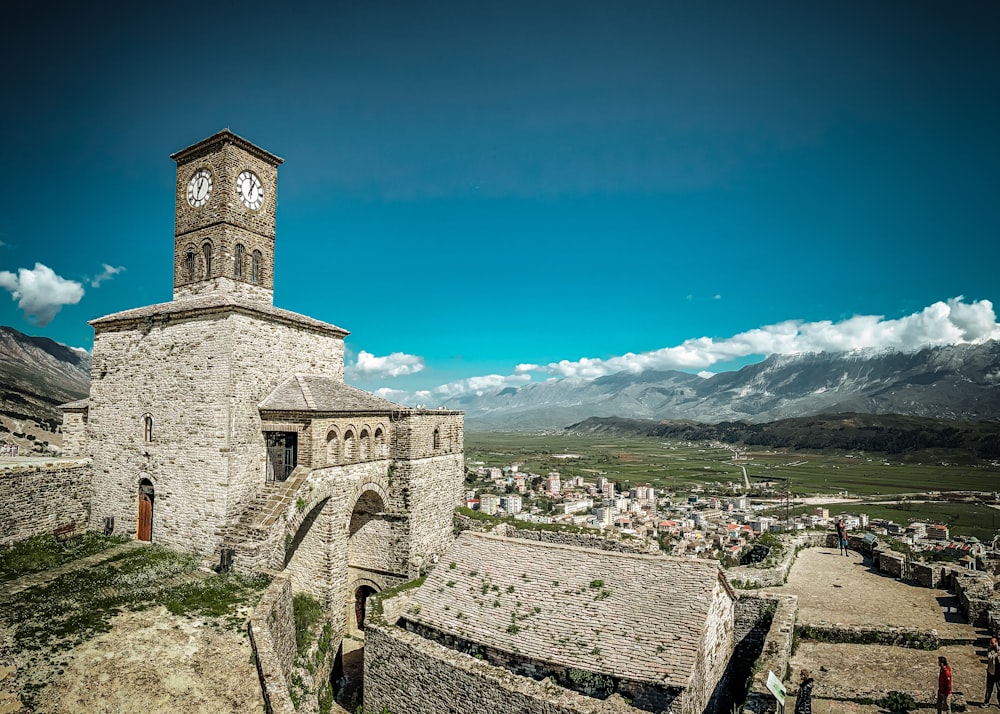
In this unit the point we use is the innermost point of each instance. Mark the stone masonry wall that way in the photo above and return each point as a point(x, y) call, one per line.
point(717, 644)
point(177, 373)
point(609, 540)
point(749, 576)
point(201, 380)
point(36, 499)
point(774, 655)
point(272, 635)
point(435, 488)
point(74, 433)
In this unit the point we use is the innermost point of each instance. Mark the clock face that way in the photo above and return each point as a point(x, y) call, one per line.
point(250, 190)
point(199, 188)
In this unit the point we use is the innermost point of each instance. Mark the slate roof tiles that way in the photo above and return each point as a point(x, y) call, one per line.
point(635, 617)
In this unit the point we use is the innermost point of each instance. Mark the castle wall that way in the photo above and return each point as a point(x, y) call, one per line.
point(200, 379)
point(717, 644)
point(37, 499)
point(432, 477)
point(264, 354)
point(175, 372)
point(74, 433)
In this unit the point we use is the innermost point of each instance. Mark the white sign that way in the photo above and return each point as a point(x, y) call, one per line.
point(776, 688)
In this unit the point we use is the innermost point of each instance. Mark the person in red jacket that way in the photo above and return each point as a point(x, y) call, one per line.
point(944, 686)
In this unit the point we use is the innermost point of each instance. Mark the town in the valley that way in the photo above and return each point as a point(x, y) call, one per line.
point(718, 520)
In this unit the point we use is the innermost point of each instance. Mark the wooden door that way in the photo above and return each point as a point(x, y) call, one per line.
point(145, 531)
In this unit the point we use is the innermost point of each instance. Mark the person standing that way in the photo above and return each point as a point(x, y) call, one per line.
point(992, 672)
point(803, 700)
point(842, 536)
point(944, 686)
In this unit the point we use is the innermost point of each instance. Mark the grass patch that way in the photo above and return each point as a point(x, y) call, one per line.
point(48, 620)
point(40, 553)
point(307, 612)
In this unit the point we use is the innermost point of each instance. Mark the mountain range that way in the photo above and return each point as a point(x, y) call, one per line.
point(950, 382)
point(36, 376)
point(958, 382)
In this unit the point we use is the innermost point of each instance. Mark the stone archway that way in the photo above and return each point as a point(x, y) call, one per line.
point(358, 592)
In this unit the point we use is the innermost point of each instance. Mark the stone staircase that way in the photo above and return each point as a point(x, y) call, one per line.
point(253, 536)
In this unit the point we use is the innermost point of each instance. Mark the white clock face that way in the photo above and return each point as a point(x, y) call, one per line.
point(199, 188)
point(250, 190)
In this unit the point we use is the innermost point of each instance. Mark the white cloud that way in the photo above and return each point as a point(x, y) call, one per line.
point(40, 293)
point(950, 322)
point(107, 273)
point(396, 364)
point(942, 323)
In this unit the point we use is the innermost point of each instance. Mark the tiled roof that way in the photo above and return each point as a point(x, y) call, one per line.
point(78, 404)
point(635, 617)
point(314, 393)
point(215, 302)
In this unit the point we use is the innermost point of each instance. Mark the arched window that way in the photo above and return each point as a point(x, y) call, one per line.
point(206, 251)
point(380, 450)
point(366, 444)
point(189, 263)
point(437, 438)
point(147, 428)
point(238, 261)
point(349, 445)
point(332, 447)
point(255, 268)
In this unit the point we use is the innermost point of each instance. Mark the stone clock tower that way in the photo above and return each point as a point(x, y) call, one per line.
point(224, 222)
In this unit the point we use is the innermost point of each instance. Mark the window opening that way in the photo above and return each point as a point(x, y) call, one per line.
point(189, 264)
point(206, 251)
point(147, 428)
point(238, 261)
point(255, 268)
point(282, 453)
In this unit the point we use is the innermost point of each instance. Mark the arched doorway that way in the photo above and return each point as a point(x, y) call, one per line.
point(144, 530)
point(361, 596)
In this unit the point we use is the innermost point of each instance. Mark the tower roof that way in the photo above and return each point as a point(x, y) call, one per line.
point(225, 137)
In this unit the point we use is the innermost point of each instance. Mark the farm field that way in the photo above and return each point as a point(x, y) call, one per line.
point(679, 466)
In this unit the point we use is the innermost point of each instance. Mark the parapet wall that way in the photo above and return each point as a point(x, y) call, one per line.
point(610, 542)
point(272, 636)
point(38, 496)
point(751, 577)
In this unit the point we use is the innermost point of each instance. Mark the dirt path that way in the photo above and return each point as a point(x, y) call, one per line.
point(152, 661)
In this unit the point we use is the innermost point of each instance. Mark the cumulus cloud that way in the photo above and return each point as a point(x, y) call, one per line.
point(950, 322)
point(943, 323)
point(107, 273)
point(396, 364)
point(479, 385)
point(40, 293)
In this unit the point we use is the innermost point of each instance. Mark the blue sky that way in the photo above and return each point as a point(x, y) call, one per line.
point(569, 187)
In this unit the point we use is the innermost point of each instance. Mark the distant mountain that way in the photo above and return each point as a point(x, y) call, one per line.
point(36, 376)
point(956, 441)
point(954, 382)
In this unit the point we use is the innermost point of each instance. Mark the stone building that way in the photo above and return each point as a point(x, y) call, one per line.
point(220, 424)
point(509, 625)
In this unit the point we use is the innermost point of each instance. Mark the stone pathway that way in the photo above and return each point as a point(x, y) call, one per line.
point(833, 589)
point(13, 587)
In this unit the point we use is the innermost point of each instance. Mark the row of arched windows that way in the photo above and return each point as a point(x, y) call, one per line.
point(239, 263)
point(356, 445)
